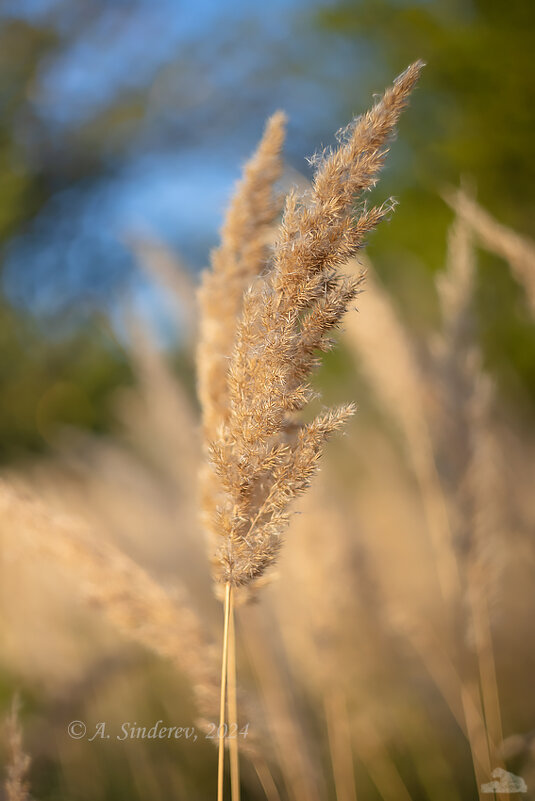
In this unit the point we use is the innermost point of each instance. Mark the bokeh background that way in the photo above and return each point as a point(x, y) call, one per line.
point(123, 127)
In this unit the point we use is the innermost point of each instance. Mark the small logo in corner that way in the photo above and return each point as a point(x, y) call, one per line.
point(504, 782)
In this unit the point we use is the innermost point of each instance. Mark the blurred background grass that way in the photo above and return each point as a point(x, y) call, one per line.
point(129, 122)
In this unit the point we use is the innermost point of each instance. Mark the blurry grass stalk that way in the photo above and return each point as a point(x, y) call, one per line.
point(266, 779)
point(170, 275)
point(16, 784)
point(467, 396)
point(289, 738)
point(340, 746)
point(398, 381)
point(487, 675)
point(383, 771)
point(387, 357)
point(133, 602)
point(517, 250)
point(325, 548)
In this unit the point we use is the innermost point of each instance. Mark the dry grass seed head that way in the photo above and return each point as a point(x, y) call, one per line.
point(242, 255)
point(286, 317)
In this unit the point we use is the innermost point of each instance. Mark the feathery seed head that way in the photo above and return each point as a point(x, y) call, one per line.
point(261, 458)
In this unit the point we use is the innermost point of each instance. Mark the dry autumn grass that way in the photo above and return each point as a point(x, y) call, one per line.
point(264, 318)
point(388, 649)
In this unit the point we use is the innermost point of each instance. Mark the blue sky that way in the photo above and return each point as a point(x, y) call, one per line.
point(210, 73)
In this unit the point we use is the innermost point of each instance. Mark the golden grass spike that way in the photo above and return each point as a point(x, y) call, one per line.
point(241, 256)
point(261, 458)
point(324, 232)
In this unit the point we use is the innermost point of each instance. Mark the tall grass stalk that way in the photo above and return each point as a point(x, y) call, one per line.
point(385, 353)
point(340, 745)
point(461, 505)
point(254, 371)
point(517, 250)
point(233, 708)
point(223, 698)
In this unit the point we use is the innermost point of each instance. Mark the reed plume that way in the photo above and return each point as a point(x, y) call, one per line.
point(241, 256)
point(261, 455)
point(254, 374)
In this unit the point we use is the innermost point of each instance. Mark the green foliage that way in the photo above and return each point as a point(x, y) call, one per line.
point(21, 49)
point(472, 119)
point(46, 381)
point(475, 110)
point(47, 384)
